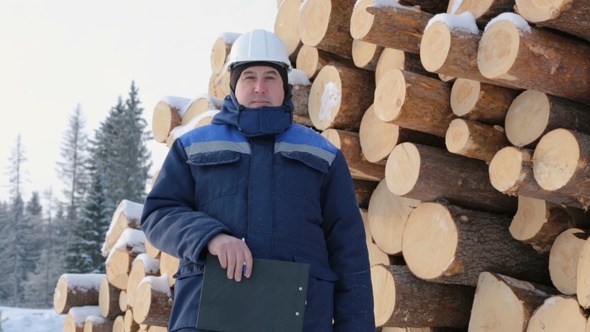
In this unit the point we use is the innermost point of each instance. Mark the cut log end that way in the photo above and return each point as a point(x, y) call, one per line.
point(325, 97)
point(498, 49)
point(556, 159)
point(557, 313)
point(527, 117)
point(402, 168)
point(457, 137)
point(361, 21)
point(505, 168)
point(286, 24)
point(390, 95)
point(529, 218)
point(495, 305)
point(384, 285)
point(464, 95)
point(435, 46)
point(314, 18)
point(430, 225)
point(538, 11)
point(377, 138)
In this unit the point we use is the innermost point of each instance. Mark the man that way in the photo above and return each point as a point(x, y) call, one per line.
point(253, 184)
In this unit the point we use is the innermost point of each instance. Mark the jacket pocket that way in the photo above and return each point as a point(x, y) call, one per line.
point(303, 175)
point(316, 269)
point(215, 174)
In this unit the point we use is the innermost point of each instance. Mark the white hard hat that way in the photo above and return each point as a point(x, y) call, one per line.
point(258, 45)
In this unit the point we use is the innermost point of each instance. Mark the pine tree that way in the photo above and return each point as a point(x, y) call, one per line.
point(40, 286)
point(118, 169)
point(13, 251)
point(4, 260)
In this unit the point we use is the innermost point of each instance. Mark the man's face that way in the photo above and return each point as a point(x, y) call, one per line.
point(260, 86)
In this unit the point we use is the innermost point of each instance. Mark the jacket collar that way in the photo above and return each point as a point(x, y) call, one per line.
point(253, 122)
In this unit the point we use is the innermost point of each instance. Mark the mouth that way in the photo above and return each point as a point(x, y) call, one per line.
point(260, 102)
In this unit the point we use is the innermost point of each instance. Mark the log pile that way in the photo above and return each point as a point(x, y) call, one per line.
point(134, 295)
point(465, 125)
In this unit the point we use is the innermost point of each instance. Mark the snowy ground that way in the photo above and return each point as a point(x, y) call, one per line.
point(30, 320)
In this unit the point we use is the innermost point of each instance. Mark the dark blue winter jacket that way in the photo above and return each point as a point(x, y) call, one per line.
point(254, 174)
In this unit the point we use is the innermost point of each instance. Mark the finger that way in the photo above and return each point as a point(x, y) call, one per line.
point(231, 266)
point(249, 263)
point(222, 257)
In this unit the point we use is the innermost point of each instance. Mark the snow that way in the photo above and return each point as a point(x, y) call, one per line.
point(515, 19)
point(131, 238)
point(298, 77)
point(30, 320)
point(159, 284)
point(330, 100)
point(464, 21)
point(180, 103)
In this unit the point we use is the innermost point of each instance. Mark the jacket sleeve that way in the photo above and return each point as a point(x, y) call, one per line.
point(345, 236)
point(170, 219)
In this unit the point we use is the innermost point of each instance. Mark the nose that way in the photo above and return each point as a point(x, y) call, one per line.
point(260, 87)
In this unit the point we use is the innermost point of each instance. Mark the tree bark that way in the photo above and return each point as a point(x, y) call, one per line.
point(378, 138)
point(143, 266)
point(537, 59)
point(98, 324)
point(130, 324)
point(108, 300)
point(475, 140)
point(539, 223)
point(570, 16)
point(397, 59)
point(451, 51)
point(387, 215)
point(502, 303)
point(477, 101)
point(127, 215)
point(200, 106)
point(511, 172)
point(339, 97)
point(153, 302)
point(558, 313)
point(76, 290)
point(561, 164)
point(401, 299)
point(325, 24)
point(363, 190)
point(76, 317)
point(220, 51)
point(165, 118)
point(427, 173)
point(348, 142)
point(533, 114)
point(300, 100)
point(483, 10)
point(400, 97)
point(374, 24)
point(366, 55)
point(449, 244)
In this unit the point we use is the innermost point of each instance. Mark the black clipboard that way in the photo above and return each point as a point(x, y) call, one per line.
point(272, 299)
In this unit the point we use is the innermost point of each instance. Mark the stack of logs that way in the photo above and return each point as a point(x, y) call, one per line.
point(466, 127)
point(134, 295)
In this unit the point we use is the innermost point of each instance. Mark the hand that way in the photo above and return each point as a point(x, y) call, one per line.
point(232, 254)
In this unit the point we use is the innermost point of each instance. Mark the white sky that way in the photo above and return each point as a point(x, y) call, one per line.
point(56, 54)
